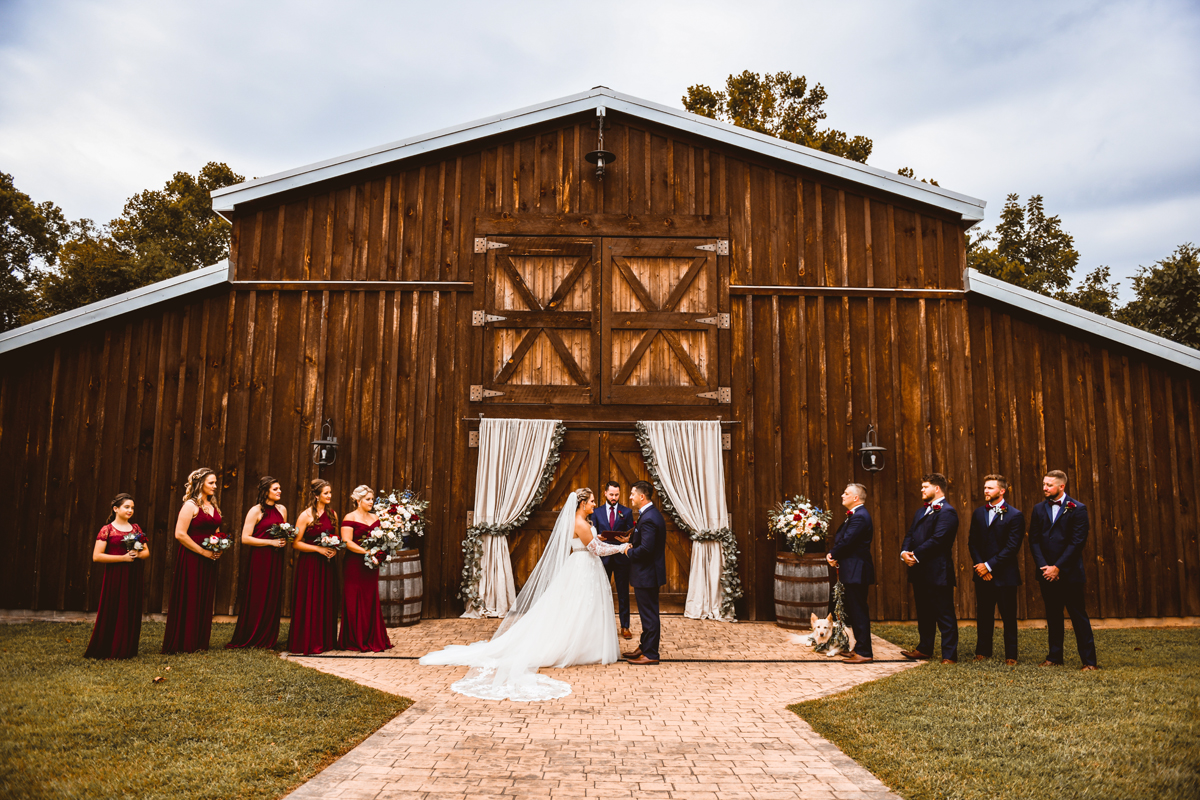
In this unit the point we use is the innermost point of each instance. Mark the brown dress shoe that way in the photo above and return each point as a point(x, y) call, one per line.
point(981, 658)
point(626, 633)
point(641, 661)
point(1010, 662)
point(855, 658)
point(1049, 663)
point(1088, 668)
point(914, 655)
point(949, 661)
point(631, 656)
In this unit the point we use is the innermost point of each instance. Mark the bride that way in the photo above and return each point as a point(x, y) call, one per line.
point(563, 616)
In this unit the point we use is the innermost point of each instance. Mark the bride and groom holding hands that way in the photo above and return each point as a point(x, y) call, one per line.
point(563, 615)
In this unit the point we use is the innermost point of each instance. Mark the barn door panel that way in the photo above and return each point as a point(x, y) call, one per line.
point(659, 319)
point(539, 303)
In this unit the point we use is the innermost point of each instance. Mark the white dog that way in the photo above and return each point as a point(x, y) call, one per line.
point(823, 631)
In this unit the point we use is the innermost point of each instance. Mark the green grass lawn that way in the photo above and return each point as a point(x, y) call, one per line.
point(221, 724)
point(1130, 730)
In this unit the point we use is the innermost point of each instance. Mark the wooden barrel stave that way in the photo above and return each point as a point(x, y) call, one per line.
point(803, 585)
point(402, 589)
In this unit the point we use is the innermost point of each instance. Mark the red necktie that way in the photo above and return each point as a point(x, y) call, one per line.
point(612, 518)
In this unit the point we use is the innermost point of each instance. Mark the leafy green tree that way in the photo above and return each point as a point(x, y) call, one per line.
point(907, 172)
point(29, 239)
point(1097, 293)
point(778, 105)
point(1168, 297)
point(1031, 250)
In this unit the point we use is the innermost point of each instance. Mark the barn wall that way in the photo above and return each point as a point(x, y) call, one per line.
point(847, 310)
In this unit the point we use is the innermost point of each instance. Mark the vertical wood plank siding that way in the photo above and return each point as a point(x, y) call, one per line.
point(241, 379)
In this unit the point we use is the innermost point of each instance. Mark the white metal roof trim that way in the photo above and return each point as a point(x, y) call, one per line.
point(970, 208)
point(996, 289)
point(139, 298)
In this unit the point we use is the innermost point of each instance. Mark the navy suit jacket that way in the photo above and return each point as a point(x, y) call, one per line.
point(600, 518)
point(1059, 544)
point(852, 548)
point(931, 539)
point(648, 554)
point(997, 544)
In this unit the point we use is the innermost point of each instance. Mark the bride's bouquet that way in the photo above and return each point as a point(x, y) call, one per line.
point(801, 522)
point(401, 514)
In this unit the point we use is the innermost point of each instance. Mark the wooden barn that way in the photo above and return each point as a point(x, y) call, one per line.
point(713, 273)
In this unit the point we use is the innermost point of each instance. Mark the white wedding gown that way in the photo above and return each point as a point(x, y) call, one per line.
point(560, 619)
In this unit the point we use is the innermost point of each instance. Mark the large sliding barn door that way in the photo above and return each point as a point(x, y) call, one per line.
point(539, 298)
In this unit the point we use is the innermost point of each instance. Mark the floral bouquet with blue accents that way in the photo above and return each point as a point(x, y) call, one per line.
point(803, 525)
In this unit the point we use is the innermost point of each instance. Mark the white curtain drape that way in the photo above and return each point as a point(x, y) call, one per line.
point(692, 473)
point(512, 457)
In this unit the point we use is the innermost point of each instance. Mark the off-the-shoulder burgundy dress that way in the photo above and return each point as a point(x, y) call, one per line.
point(362, 617)
point(119, 617)
point(258, 622)
point(193, 588)
point(315, 605)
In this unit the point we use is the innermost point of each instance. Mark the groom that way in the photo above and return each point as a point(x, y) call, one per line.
point(647, 569)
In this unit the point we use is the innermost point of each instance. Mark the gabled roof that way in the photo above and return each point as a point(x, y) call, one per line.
point(978, 283)
point(180, 285)
point(227, 199)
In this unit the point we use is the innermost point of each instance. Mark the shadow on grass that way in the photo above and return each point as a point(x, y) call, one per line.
point(222, 724)
point(985, 730)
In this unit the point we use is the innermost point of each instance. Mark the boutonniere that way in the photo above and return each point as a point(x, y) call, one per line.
point(1000, 511)
point(1070, 504)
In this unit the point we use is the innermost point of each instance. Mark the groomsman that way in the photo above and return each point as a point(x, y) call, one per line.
point(851, 557)
point(928, 552)
point(1058, 530)
point(612, 518)
point(994, 541)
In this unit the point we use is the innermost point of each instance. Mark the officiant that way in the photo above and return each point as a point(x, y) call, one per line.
point(612, 519)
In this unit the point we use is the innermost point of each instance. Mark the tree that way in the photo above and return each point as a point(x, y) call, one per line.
point(907, 172)
point(29, 239)
point(160, 234)
point(778, 105)
point(1097, 293)
point(1168, 297)
point(1031, 249)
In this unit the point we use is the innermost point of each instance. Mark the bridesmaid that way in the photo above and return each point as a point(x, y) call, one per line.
point(194, 586)
point(258, 624)
point(314, 607)
point(362, 617)
point(119, 617)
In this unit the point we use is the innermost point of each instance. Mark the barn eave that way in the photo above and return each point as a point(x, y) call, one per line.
point(226, 200)
point(142, 297)
point(995, 289)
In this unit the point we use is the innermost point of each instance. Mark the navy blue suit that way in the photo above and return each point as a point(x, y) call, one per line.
point(995, 541)
point(1060, 544)
point(930, 539)
point(615, 565)
point(856, 570)
point(647, 558)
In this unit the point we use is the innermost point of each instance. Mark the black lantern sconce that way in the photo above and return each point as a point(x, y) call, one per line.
point(600, 157)
point(325, 449)
point(871, 454)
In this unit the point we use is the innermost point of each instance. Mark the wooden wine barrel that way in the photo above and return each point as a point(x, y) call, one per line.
point(401, 589)
point(803, 585)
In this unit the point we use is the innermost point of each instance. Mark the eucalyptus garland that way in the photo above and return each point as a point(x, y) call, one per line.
point(731, 584)
point(472, 545)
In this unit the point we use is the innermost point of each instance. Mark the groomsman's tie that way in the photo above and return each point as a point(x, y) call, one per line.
point(612, 518)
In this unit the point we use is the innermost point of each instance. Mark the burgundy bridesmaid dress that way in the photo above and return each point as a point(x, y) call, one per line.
point(315, 605)
point(119, 617)
point(258, 623)
point(189, 617)
point(362, 616)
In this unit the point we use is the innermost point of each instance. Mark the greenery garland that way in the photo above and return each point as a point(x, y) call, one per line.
point(472, 545)
point(731, 584)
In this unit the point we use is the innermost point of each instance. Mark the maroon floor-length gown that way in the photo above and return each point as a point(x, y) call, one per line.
point(119, 617)
point(362, 616)
point(189, 617)
point(315, 605)
point(258, 622)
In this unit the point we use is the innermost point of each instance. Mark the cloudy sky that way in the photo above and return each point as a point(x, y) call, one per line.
point(1095, 105)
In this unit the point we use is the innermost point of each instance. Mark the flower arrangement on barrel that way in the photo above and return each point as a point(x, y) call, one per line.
point(401, 517)
point(803, 525)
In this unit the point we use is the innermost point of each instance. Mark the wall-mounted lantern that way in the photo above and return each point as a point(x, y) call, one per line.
point(871, 454)
point(325, 449)
point(600, 157)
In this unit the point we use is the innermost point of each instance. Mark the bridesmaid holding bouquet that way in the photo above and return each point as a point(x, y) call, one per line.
point(121, 547)
point(194, 586)
point(258, 623)
point(314, 607)
point(362, 616)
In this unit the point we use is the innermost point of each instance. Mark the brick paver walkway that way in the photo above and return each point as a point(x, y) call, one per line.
point(712, 726)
